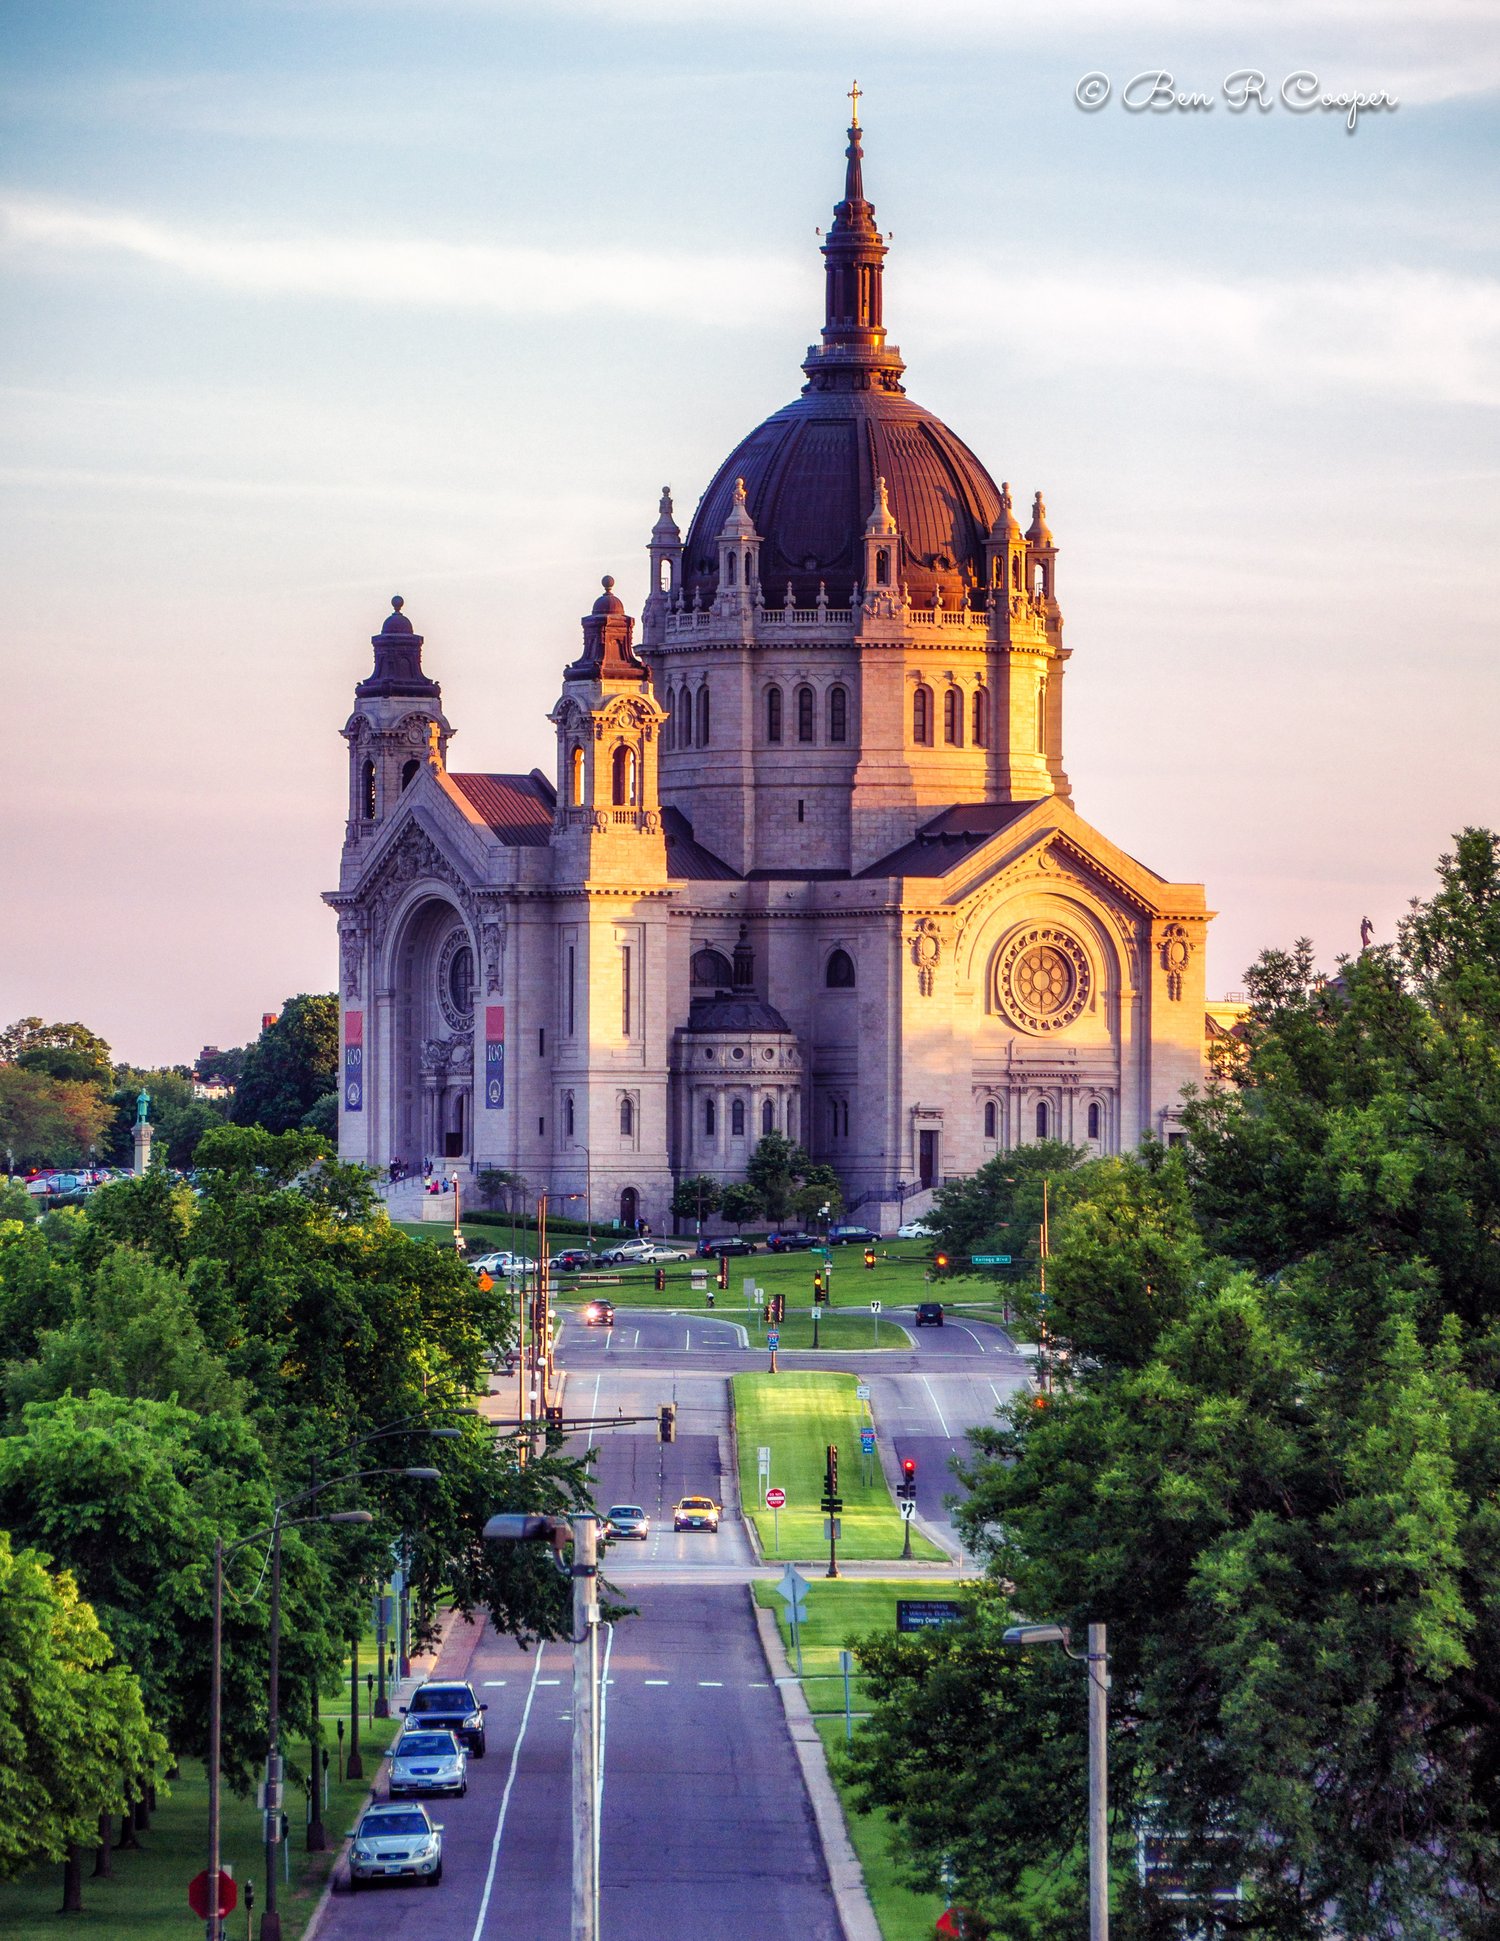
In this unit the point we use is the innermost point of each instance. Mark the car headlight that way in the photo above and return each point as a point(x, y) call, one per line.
point(362, 1852)
point(473, 1722)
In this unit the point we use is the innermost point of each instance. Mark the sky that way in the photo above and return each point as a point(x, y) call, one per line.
point(306, 304)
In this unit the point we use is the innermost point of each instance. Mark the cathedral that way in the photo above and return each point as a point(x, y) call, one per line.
point(806, 858)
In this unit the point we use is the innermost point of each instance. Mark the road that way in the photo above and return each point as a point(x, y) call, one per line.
point(706, 1825)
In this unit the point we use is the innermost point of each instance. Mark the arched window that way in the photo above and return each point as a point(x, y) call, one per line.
point(921, 717)
point(838, 714)
point(1041, 716)
point(767, 1117)
point(710, 1117)
point(461, 979)
point(833, 1118)
point(575, 777)
point(981, 734)
point(568, 1114)
point(882, 567)
point(737, 1119)
point(773, 714)
point(805, 714)
point(1041, 1120)
point(627, 1118)
point(684, 713)
point(703, 718)
point(991, 1119)
point(953, 717)
point(367, 791)
point(1094, 1122)
point(409, 772)
point(710, 970)
point(622, 777)
point(840, 973)
point(731, 563)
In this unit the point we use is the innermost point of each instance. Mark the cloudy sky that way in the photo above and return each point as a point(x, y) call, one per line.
point(304, 304)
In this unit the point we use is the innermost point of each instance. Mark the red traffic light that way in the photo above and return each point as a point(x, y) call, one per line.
point(940, 1261)
point(909, 1468)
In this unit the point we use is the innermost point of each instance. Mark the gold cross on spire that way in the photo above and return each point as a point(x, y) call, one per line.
point(854, 94)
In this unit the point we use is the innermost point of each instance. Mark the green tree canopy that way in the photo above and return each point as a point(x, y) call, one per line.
point(46, 1121)
point(775, 1167)
point(70, 1052)
point(741, 1202)
point(291, 1065)
point(696, 1197)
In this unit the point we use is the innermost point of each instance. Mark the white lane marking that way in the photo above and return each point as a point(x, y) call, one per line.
point(972, 1336)
point(743, 1333)
point(715, 1684)
point(997, 1395)
point(942, 1419)
point(510, 1780)
point(594, 1405)
point(687, 1339)
point(609, 1340)
point(603, 1742)
point(656, 1681)
point(549, 1681)
point(490, 1683)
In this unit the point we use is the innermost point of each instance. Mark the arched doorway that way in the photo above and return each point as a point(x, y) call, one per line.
point(630, 1208)
point(433, 971)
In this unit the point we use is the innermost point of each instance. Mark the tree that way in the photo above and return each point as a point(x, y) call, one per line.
point(74, 1740)
point(291, 1065)
point(180, 1119)
point(322, 1117)
point(500, 1183)
point(741, 1202)
point(818, 1188)
point(47, 1121)
point(775, 1167)
point(696, 1197)
point(998, 1208)
point(70, 1052)
point(15, 1202)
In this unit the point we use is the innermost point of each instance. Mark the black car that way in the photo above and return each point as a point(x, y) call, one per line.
point(733, 1244)
point(599, 1314)
point(572, 1260)
point(450, 1707)
point(851, 1237)
point(791, 1243)
point(930, 1314)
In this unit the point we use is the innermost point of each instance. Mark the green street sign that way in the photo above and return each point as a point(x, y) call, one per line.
point(989, 1260)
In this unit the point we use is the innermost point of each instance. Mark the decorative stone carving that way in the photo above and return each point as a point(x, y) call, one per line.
point(351, 953)
point(413, 856)
point(493, 937)
point(926, 952)
point(456, 950)
point(1043, 978)
point(1176, 953)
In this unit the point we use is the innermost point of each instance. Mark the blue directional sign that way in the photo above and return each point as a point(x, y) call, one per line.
point(867, 1442)
point(773, 1339)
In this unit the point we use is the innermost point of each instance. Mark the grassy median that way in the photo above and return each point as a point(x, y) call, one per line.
point(797, 1415)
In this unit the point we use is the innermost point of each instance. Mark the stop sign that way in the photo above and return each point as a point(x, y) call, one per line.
point(775, 1499)
point(229, 1894)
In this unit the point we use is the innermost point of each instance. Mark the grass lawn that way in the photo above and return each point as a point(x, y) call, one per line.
point(902, 1914)
point(797, 1415)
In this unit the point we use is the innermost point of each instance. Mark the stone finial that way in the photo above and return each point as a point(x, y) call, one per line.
point(739, 524)
point(1006, 526)
point(881, 523)
point(1037, 532)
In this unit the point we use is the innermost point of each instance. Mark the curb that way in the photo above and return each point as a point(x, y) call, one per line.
point(846, 1877)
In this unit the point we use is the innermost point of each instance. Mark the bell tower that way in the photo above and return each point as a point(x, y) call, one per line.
point(397, 728)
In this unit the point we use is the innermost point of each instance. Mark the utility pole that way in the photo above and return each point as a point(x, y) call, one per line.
point(215, 1728)
point(1098, 1670)
point(1042, 1354)
point(270, 1920)
point(585, 1728)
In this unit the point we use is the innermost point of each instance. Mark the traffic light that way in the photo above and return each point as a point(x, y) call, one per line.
point(832, 1502)
point(723, 1270)
point(818, 1294)
point(778, 1303)
point(909, 1478)
point(666, 1422)
point(661, 1280)
point(869, 1256)
point(554, 1415)
point(940, 1262)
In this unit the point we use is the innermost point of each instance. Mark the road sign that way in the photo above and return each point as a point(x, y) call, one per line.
point(861, 1391)
point(989, 1260)
point(833, 1528)
point(229, 1894)
point(775, 1499)
point(867, 1442)
point(908, 1511)
point(773, 1339)
point(926, 1613)
point(875, 1307)
point(792, 1589)
point(763, 1455)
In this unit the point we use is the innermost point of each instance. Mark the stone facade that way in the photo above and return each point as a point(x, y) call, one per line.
point(807, 860)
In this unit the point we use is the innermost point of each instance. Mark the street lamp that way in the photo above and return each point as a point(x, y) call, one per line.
point(270, 1920)
point(584, 1571)
point(216, 1684)
point(1097, 1659)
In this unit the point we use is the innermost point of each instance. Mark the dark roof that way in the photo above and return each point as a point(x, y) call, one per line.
point(734, 1011)
point(810, 473)
point(518, 808)
point(687, 857)
point(942, 844)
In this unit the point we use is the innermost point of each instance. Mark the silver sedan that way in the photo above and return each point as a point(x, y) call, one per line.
point(429, 1762)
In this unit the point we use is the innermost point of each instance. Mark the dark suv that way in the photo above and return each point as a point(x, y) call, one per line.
point(930, 1314)
point(851, 1237)
point(452, 1708)
point(731, 1244)
point(791, 1243)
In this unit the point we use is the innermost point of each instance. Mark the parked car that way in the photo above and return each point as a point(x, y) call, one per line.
point(696, 1513)
point(914, 1230)
point(599, 1314)
point(626, 1520)
point(392, 1841)
point(572, 1260)
point(428, 1762)
point(620, 1253)
point(733, 1244)
point(929, 1314)
point(442, 1704)
point(851, 1237)
point(791, 1243)
point(502, 1266)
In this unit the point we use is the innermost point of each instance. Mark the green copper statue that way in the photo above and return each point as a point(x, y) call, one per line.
point(142, 1108)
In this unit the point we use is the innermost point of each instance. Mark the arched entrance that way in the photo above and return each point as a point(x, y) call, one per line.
point(433, 975)
point(630, 1208)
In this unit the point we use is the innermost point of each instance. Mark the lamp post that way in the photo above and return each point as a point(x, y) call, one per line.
point(270, 1920)
point(1097, 1660)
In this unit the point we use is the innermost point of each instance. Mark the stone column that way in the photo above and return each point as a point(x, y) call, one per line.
point(143, 1133)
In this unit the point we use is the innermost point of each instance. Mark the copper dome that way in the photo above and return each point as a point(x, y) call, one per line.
point(810, 471)
point(810, 476)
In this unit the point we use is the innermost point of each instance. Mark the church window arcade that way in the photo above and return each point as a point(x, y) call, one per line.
point(806, 714)
point(767, 1117)
point(575, 777)
point(737, 1119)
point(710, 1118)
point(409, 771)
point(773, 714)
point(1041, 1119)
point(980, 731)
point(683, 713)
point(991, 1119)
point(623, 788)
point(921, 716)
point(1095, 1118)
point(627, 1118)
point(838, 714)
point(953, 717)
point(704, 718)
point(711, 970)
point(367, 791)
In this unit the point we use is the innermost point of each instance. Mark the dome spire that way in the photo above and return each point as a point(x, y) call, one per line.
point(854, 355)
